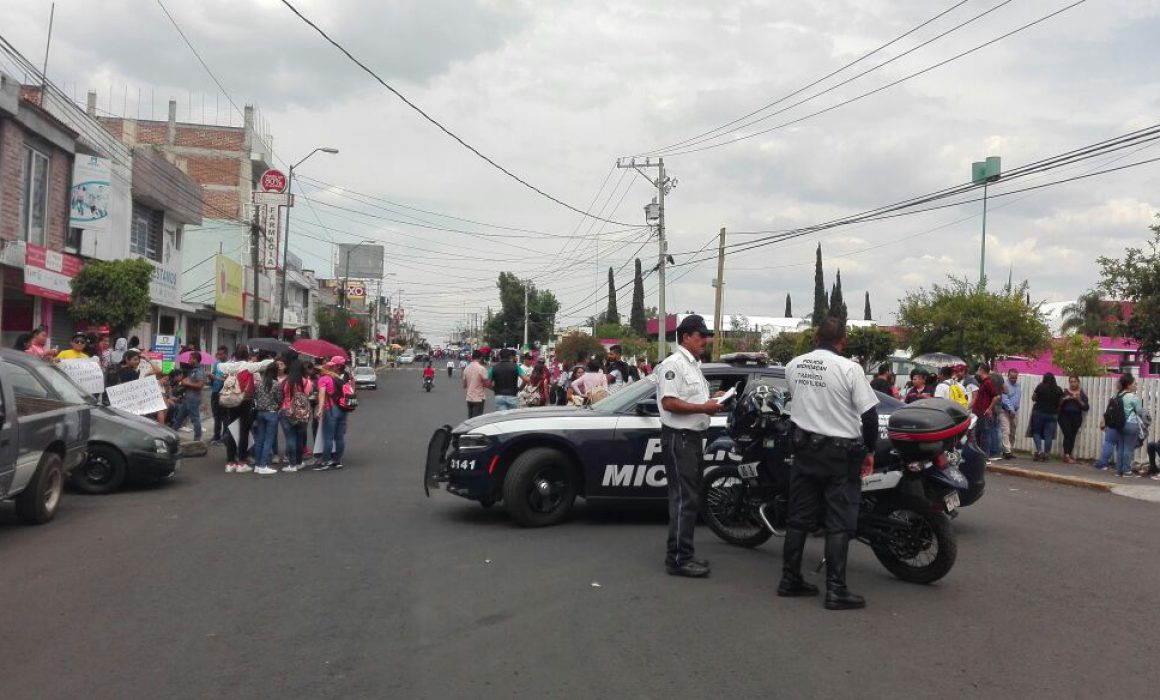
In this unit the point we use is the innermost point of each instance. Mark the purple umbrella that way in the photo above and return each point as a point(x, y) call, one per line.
point(185, 358)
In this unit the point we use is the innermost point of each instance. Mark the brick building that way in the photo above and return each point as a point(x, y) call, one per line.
point(226, 161)
point(37, 152)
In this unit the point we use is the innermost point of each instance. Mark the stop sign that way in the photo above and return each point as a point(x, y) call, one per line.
point(273, 181)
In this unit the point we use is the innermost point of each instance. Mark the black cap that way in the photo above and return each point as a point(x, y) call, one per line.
point(693, 324)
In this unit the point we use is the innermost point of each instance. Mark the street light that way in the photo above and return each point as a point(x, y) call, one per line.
point(984, 172)
point(286, 250)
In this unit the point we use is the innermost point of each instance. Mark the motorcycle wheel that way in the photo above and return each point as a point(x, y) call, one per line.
point(929, 548)
point(726, 510)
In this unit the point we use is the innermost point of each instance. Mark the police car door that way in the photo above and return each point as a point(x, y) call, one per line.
point(636, 469)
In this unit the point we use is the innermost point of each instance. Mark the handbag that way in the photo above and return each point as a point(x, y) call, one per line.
point(597, 394)
point(529, 396)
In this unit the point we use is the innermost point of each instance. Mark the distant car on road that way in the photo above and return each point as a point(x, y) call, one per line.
point(44, 427)
point(365, 378)
point(406, 358)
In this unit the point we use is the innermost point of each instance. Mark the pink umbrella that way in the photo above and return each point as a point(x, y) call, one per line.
point(317, 348)
point(186, 358)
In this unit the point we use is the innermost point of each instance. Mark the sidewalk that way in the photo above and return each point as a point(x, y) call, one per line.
point(1081, 475)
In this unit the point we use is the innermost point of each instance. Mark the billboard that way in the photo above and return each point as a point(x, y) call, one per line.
point(365, 261)
point(229, 277)
point(89, 200)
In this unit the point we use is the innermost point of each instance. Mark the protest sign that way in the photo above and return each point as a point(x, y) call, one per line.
point(86, 373)
point(141, 396)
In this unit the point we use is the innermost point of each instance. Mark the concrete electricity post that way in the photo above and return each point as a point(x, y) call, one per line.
point(719, 283)
point(655, 215)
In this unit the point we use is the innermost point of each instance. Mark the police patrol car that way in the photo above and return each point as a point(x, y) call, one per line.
point(538, 460)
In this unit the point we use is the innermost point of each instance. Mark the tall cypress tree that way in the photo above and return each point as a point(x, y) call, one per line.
point(821, 307)
point(636, 317)
point(788, 306)
point(867, 315)
point(612, 315)
point(837, 303)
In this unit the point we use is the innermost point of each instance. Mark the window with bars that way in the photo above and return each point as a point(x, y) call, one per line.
point(145, 235)
point(34, 202)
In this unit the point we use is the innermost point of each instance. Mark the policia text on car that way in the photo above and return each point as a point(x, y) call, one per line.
point(835, 418)
point(685, 407)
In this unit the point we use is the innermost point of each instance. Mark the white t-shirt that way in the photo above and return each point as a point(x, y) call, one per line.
point(830, 394)
point(680, 376)
point(943, 390)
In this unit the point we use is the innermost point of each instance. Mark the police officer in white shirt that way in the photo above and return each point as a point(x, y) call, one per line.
point(835, 417)
point(685, 407)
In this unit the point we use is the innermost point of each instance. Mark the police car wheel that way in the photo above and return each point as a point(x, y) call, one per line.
point(540, 488)
point(728, 510)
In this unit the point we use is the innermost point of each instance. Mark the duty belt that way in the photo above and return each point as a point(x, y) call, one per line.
point(687, 431)
point(851, 444)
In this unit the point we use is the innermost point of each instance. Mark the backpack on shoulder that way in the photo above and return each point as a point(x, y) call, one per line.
point(958, 394)
point(345, 398)
point(231, 395)
point(298, 412)
point(1115, 417)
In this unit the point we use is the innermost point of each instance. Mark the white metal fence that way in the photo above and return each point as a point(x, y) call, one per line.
point(1099, 390)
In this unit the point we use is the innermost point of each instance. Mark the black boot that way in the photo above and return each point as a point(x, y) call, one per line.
point(792, 584)
point(838, 597)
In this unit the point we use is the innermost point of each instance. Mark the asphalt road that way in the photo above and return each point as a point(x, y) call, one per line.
point(352, 584)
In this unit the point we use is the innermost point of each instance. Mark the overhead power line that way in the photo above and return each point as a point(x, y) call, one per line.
point(435, 122)
point(851, 64)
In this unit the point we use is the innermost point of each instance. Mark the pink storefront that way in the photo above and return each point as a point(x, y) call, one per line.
point(1119, 354)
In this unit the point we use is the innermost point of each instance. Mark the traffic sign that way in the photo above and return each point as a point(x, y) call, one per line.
point(272, 199)
point(273, 180)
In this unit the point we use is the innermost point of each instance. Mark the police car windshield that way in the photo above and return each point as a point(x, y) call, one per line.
point(628, 397)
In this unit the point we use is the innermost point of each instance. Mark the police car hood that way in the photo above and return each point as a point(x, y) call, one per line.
point(521, 413)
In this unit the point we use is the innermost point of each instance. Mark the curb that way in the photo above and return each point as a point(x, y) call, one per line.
point(1050, 477)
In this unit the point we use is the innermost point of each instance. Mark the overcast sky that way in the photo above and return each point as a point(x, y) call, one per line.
point(555, 91)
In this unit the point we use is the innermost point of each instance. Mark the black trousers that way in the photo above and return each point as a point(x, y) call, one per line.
point(829, 475)
point(219, 414)
point(1069, 423)
point(239, 451)
point(474, 408)
point(683, 452)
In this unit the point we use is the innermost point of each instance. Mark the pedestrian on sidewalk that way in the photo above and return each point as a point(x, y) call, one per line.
point(1122, 440)
point(984, 404)
point(1071, 409)
point(475, 384)
point(1044, 415)
point(505, 381)
point(243, 371)
point(267, 402)
point(1009, 412)
point(295, 413)
point(330, 390)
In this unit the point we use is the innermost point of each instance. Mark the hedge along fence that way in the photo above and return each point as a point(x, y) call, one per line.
point(1099, 390)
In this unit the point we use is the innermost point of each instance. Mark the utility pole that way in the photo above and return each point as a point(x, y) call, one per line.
point(255, 237)
point(719, 283)
point(655, 215)
point(984, 172)
point(525, 316)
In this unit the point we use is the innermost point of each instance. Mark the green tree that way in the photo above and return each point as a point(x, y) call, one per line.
point(340, 327)
point(837, 302)
point(113, 293)
point(869, 346)
point(636, 346)
point(821, 307)
point(575, 348)
point(1079, 355)
point(788, 306)
point(612, 331)
point(962, 319)
point(1135, 278)
point(506, 328)
point(637, 318)
point(1091, 316)
point(787, 345)
point(613, 314)
point(866, 313)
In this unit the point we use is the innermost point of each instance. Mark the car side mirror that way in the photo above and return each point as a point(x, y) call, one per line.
point(647, 408)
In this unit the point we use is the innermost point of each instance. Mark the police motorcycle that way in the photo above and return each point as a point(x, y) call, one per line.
point(906, 501)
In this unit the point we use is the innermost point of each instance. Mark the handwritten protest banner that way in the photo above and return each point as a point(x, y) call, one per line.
point(86, 373)
point(141, 396)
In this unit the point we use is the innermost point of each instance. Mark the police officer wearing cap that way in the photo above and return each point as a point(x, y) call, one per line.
point(835, 417)
point(685, 407)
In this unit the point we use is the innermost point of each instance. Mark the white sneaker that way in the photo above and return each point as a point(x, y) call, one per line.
point(187, 429)
point(265, 471)
point(244, 469)
point(231, 467)
point(291, 468)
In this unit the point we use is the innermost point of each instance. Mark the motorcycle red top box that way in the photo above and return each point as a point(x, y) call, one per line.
point(926, 428)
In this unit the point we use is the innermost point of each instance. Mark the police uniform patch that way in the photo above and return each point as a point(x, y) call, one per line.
point(670, 375)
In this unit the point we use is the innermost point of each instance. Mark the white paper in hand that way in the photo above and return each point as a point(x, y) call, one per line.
point(727, 395)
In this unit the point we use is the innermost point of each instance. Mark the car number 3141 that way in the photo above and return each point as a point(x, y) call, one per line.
point(464, 464)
